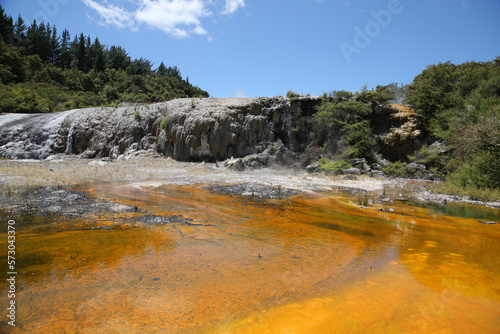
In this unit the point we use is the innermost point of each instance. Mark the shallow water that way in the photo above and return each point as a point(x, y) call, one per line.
point(309, 263)
point(461, 210)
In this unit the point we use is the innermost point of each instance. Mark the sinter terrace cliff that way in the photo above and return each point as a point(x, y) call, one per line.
point(268, 129)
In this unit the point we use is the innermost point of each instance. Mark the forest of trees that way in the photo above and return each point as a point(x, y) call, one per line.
point(460, 107)
point(43, 71)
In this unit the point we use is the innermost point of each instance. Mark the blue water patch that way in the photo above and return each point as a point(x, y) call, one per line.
point(461, 210)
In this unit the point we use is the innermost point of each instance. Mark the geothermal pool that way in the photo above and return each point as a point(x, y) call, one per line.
point(242, 259)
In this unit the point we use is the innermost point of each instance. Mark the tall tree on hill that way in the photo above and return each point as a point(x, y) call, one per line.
point(38, 41)
point(99, 56)
point(64, 60)
point(174, 72)
point(140, 66)
point(19, 32)
point(6, 27)
point(73, 50)
point(55, 46)
point(118, 58)
point(161, 70)
point(89, 54)
point(81, 54)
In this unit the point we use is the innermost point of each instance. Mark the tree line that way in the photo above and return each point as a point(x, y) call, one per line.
point(460, 109)
point(461, 106)
point(42, 71)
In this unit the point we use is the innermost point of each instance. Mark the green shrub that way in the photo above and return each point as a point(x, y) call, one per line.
point(291, 94)
point(333, 166)
point(481, 171)
point(359, 140)
point(381, 95)
point(110, 93)
point(436, 162)
point(164, 124)
point(397, 169)
point(343, 129)
point(451, 187)
point(342, 94)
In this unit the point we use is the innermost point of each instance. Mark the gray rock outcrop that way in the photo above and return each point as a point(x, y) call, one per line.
point(260, 132)
point(195, 130)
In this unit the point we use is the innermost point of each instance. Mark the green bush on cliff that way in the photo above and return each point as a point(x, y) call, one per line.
point(380, 96)
point(342, 129)
point(164, 124)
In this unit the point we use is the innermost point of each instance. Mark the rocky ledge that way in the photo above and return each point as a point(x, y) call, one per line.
point(246, 132)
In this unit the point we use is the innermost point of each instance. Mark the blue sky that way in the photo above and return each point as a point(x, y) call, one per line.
point(259, 48)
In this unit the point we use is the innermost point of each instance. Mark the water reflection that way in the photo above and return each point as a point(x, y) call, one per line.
point(461, 210)
point(312, 263)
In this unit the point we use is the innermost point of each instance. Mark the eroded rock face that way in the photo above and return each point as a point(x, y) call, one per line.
point(404, 131)
point(267, 131)
point(197, 129)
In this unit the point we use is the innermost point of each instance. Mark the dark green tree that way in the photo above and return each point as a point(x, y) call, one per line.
point(19, 32)
point(6, 27)
point(140, 66)
point(174, 72)
point(161, 70)
point(342, 128)
point(38, 38)
point(12, 65)
point(64, 60)
point(430, 90)
point(99, 56)
point(81, 54)
point(89, 50)
point(118, 58)
point(55, 46)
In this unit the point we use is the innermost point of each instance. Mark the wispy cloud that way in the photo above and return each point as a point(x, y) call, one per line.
point(232, 6)
point(112, 15)
point(178, 18)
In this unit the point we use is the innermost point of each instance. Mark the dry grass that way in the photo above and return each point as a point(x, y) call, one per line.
point(16, 176)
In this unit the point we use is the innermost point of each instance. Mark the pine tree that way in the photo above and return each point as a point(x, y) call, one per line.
point(81, 56)
point(174, 72)
point(161, 70)
point(55, 46)
point(38, 41)
point(118, 58)
point(6, 27)
point(19, 32)
point(98, 51)
point(64, 60)
point(73, 50)
point(89, 51)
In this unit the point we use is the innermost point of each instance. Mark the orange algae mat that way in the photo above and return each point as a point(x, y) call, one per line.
point(310, 263)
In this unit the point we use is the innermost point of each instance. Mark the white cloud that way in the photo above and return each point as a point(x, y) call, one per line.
point(173, 17)
point(112, 15)
point(232, 6)
point(178, 18)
